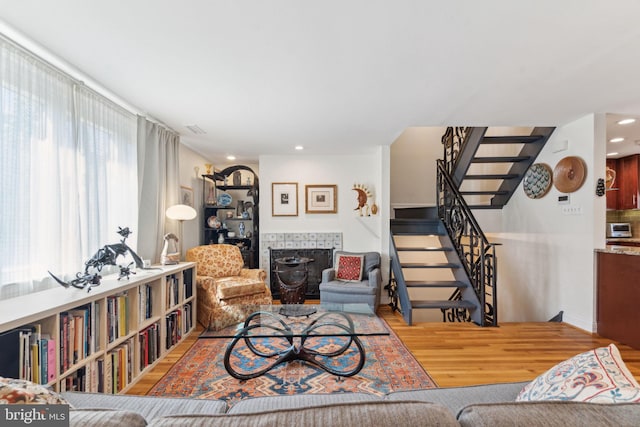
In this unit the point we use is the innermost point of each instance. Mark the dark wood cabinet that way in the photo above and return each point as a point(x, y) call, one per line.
point(612, 193)
point(618, 297)
point(628, 173)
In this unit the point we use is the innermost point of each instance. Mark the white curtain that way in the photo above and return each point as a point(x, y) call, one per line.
point(67, 175)
point(108, 168)
point(159, 178)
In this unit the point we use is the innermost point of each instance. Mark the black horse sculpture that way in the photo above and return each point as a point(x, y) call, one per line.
point(107, 255)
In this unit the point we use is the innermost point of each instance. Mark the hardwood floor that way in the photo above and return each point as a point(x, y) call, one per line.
point(459, 354)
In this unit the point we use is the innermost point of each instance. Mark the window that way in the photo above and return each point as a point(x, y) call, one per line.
point(68, 172)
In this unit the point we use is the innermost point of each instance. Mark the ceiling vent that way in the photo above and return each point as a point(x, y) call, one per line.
point(197, 130)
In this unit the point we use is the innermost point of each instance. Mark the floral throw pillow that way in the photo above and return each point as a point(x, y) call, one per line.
point(349, 267)
point(596, 376)
point(25, 392)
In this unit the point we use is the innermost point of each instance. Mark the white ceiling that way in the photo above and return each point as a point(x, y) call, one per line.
point(260, 76)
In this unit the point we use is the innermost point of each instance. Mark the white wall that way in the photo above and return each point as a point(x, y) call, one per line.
point(546, 261)
point(189, 159)
point(359, 234)
point(413, 166)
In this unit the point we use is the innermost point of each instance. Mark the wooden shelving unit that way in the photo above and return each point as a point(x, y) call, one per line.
point(104, 340)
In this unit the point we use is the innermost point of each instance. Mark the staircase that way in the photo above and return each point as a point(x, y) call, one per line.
point(430, 270)
point(488, 169)
point(440, 257)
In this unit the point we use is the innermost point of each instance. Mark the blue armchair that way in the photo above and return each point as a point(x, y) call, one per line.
point(337, 287)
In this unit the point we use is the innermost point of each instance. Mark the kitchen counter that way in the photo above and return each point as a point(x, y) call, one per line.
point(623, 240)
point(618, 249)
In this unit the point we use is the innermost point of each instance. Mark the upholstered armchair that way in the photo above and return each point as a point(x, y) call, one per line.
point(225, 286)
point(355, 278)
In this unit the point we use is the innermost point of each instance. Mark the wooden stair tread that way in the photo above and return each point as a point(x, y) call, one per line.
point(423, 249)
point(436, 284)
point(418, 233)
point(429, 265)
point(446, 304)
point(522, 139)
point(500, 159)
point(485, 206)
point(484, 192)
point(493, 176)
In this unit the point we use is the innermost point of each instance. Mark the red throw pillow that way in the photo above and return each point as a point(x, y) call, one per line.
point(349, 267)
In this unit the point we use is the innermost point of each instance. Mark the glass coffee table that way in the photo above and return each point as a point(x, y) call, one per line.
point(326, 335)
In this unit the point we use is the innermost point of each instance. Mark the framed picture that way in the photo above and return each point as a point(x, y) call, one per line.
point(186, 196)
point(284, 199)
point(321, 198)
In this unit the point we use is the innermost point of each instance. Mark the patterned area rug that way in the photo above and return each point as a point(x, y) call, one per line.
point(200, 373)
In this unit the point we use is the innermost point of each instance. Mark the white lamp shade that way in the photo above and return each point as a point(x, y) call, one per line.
point(181, 212)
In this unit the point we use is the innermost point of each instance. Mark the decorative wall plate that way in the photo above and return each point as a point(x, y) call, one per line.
point(224, 199)
point(537, 180)
point(569, 174)
point(214, 222)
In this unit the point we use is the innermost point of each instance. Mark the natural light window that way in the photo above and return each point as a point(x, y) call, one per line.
point(68, 175)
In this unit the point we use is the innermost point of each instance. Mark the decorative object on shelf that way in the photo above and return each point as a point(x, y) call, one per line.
point(107, 255)
point(321, 198)
point(241, 229)
point(180, 213)
point(211, 196)
point(237, 178)
point(600, 189)
point(229, 214)
point(569, 174)
point(224, 199)
point(221, 238)
point(170, 250)
point(231, 234)
point(186, 195)
point(208, 168)
point(537, 181)
point(363, 197)
point(240, 208)
point(284, 199)
point(248, 180)
point(214, 222)
point(611, 177)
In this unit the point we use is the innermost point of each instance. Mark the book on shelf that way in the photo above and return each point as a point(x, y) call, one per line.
point(172, 294)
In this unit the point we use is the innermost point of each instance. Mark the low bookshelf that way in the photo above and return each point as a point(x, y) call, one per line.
point(98, 341)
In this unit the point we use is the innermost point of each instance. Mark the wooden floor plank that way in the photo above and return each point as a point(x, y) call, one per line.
point(460, 354)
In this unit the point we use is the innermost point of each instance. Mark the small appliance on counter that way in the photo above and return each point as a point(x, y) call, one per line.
point(619, 229)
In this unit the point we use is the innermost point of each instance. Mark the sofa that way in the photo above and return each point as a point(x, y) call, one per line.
point(482, 405)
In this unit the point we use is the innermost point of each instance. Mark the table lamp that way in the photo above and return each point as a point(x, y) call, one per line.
point(171, 250)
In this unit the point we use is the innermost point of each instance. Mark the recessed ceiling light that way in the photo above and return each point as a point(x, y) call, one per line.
point(626, 121)
point(612, 154)
point(619, 139)
point(299, 147)
point(231, 157)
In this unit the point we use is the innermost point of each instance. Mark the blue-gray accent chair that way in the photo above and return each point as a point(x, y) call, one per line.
point(366, 291)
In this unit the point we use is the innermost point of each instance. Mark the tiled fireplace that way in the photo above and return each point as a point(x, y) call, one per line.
point(317, 246)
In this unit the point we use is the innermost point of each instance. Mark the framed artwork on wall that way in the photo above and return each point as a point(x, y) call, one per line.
point(186, 195)
point(321, 198)
point(284, 199)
